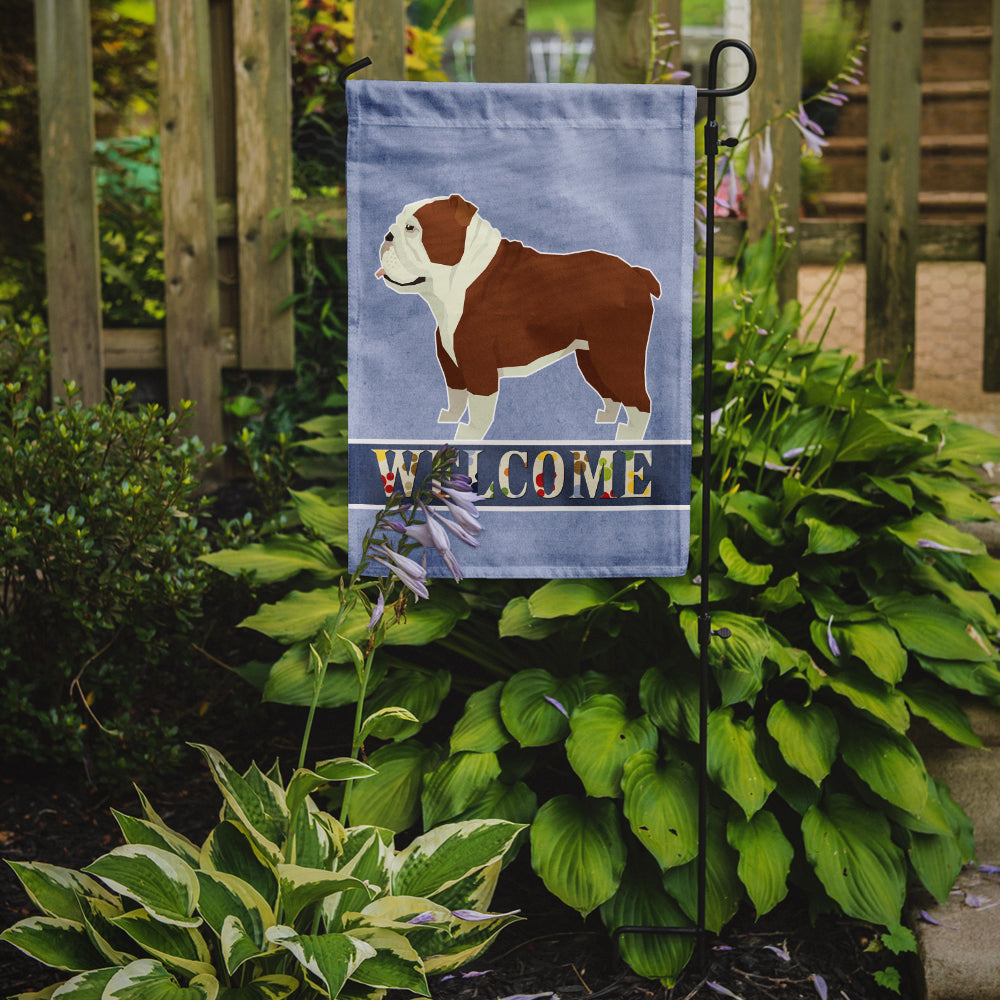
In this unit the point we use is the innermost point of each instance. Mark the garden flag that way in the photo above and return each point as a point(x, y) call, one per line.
point(520, 273)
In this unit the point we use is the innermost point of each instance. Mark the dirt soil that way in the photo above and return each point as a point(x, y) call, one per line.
point(552, 952)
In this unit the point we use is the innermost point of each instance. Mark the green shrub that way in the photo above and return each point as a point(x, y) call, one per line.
point(99, 540)
point(279, 900)
point(854, 605)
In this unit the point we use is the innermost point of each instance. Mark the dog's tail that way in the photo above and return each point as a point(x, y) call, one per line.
point(649, 280)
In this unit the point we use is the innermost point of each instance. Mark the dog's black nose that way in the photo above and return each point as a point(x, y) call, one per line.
point(388, 237)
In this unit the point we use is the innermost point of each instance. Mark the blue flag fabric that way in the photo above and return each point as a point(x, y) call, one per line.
point(520, 263)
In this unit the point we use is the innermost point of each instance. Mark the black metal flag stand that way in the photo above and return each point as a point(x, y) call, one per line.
point(705, 631)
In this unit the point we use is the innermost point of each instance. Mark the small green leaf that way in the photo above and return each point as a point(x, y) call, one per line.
point(936, 704)
point(739, 569)
point(535, 706)
point(327, 520)
point(807, 736)
point(671, 699)
point(732, 760)
point(279, 558)
point(456, 784)
point(481, 727)
point(930, 627)
point(765, 858)
point(888, 763)
point(391, 798)
point(828, 539)
point(559, 598)
point(517, 620)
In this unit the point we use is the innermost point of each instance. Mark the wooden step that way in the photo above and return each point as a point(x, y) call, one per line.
point(957, 206)
point(947, 162)
point(956, 53)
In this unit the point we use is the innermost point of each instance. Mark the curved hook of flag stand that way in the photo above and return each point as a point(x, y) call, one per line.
point(705, 631)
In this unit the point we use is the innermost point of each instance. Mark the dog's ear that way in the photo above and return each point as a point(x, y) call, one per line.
point(464, 210)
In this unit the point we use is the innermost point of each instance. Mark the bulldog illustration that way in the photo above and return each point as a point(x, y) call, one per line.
point(504, 310)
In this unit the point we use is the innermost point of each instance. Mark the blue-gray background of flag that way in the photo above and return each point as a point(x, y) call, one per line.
point(560, 168)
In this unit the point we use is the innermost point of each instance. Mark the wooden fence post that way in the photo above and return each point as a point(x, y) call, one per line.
point(501, 41)
point(893, 183)
point(621, 40)
point(262, 61)
point(991, 333)
point(380, 34)
point(190, 252)
point(776, 35)
point(72, 256)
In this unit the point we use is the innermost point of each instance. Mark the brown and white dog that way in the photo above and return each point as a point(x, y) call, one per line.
point(505, 310)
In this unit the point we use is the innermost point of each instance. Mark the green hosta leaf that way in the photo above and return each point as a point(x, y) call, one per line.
point(415, 689)
point(578, 851)
point(147, 979)
point(54, 941)
point(986, 571)
point(869, 436)
point(739, 569)
point(327, 520)
point(443, 856)
point(641, 901)
point(301, 887)
point(395, 964)
point(304, 782)
point(893, 488)
point(481, 728)
point(456, 784)
point(274, 987)
point(928, 528)
point(723, 889)
point(291, 680)
point(758, 511)
point(957, 501)
point(965, 443)
point(517, 620)
point(865, 692)
point(558, 598)
point(807, 736)
point(230, 849)
point(888, 763)
point(260, 809)
point(931, 628)
point(671, 699)
point(765, 858)
point(279, 558)
point(738, 661)
point(391, 798)
point(850, 847)
point(528, 710)
point(828, 539)
point(180, 948)
point(876, 646)
point(976, 678)
point(661, 798)
point(330, 959)
point(732, 761)
point(515, 803)
point(937, 860)
point(56, 891)
point(141, 831)
point(225, 897)
point(783, 595)
point(602, 738)
point(941, 709)
point(974, 604)
point(159, 881)
point(683, 591)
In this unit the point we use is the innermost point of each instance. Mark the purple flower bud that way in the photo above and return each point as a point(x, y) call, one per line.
point(927, 543)
point(558, 705)
point(820, 983)
point(377, 611)
point(427, 917)
point(834, 648)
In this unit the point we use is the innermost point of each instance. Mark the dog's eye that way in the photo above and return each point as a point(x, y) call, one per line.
point(411, 229)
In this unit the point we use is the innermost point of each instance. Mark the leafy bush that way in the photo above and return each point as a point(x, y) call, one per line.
point(279, 899)
point(99, 539)
point(854, 605)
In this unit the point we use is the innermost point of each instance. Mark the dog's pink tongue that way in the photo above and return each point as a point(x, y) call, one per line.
point(380, 273)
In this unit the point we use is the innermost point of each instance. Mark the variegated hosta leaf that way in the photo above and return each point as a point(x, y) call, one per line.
point(481, 727)
point(395, 964)
point(87, 986)
point(535, 706)
point(578, 851)
point(602, 737)
point(367, 853)
point(888, 763)
point(230, 849)
point(238, 945)
point(158, 880)
point(441, 857)
point(850, 847)
point(315, 838)
point(732, 760)
point(765, 858)
point(141, 831)
point(467, 940)
point(723, 889)
point(807, 736)
point(56, 891)
point(300, 887)
point(661, 799)
point(456, 784)
point(225, 897)
point(256, 801)
point(476, 890)
point(116, 947)
point(177, 947)
point(329, 959)
point(149, 980)
point(642, 902)
point(54, 941)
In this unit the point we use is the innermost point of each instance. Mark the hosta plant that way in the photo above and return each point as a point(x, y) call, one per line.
point(279, 900)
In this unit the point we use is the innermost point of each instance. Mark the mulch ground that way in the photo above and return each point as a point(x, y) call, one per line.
point(551, 952)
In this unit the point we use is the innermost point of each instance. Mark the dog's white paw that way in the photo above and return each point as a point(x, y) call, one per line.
point(608, 414)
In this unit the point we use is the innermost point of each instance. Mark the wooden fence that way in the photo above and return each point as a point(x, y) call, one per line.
point(226, 160)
